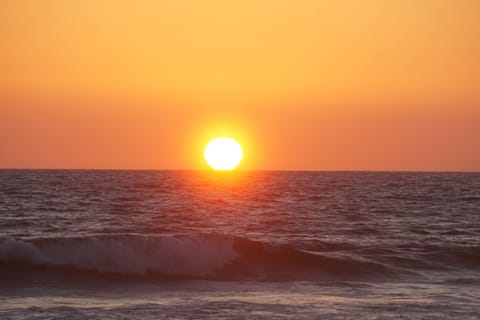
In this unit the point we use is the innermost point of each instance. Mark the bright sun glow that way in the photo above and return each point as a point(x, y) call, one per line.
point(223, 154)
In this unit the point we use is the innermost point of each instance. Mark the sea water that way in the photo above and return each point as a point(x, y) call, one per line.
point(80, 244)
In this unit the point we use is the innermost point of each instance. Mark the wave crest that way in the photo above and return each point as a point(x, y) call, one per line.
point(219, 257)
point(136, 255)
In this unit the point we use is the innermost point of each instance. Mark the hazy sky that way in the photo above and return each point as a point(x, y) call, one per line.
point(304, 84)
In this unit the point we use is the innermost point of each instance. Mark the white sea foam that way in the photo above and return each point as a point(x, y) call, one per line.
point(191, 256)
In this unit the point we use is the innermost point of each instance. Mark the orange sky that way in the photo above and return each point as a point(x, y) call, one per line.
point(305, 84)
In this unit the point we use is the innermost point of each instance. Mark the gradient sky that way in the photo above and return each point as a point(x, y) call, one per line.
point(303, 85)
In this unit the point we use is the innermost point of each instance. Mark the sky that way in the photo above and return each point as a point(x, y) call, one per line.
point(302, 85)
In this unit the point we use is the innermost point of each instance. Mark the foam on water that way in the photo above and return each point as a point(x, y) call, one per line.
point(134, 255)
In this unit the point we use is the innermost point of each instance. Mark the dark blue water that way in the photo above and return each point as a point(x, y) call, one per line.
point(247, 245)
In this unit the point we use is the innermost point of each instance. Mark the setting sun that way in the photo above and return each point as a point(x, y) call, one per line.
point(223, 154)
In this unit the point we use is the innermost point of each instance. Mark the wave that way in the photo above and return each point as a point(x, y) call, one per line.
point(127, 254)
point(219, 257)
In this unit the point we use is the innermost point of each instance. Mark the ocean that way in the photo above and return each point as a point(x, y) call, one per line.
point(98, 244)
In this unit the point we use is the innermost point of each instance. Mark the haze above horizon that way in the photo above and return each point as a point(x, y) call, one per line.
point(304, 85)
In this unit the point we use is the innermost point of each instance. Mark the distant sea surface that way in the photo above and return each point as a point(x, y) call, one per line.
point(79, 244)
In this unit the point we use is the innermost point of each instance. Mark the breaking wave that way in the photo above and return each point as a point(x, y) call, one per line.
point(219, 257)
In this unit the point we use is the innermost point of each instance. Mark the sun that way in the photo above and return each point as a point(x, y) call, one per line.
point(223, 154)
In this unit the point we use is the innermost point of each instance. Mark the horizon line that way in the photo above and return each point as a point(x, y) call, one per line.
point(245, 170)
